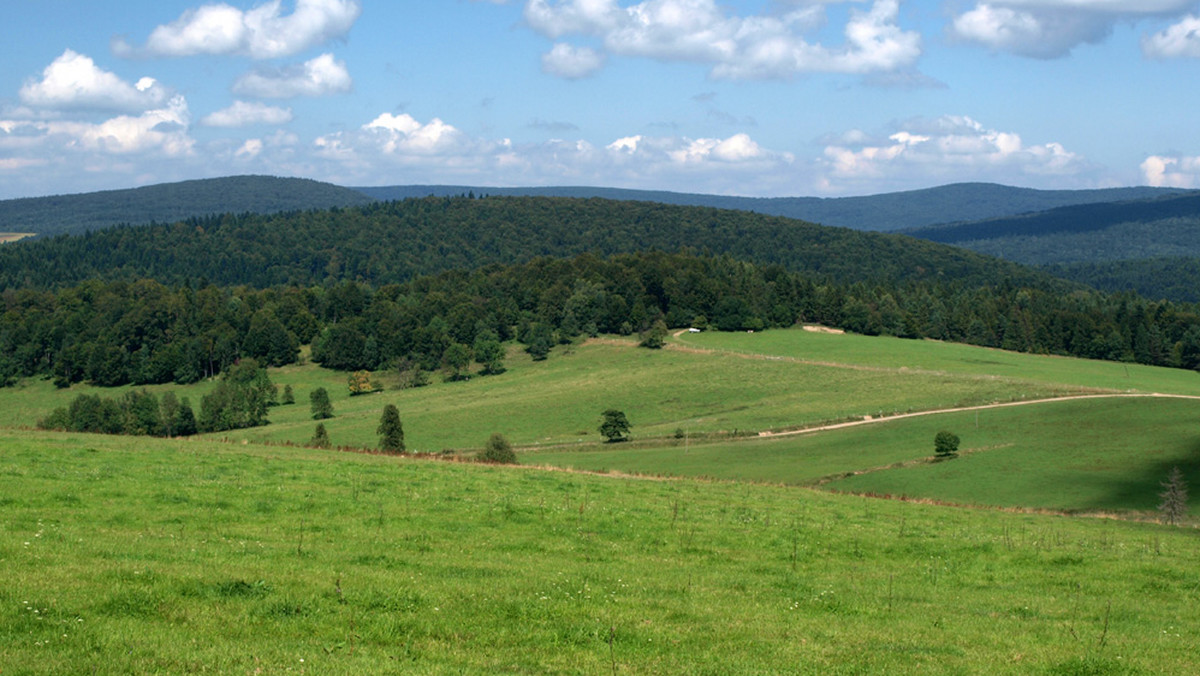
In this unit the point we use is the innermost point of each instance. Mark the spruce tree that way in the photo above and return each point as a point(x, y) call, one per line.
point(391, 431)
point(321, 406)
point(320, 438)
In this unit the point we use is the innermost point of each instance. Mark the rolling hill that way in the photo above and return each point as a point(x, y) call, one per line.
point(388, 242)
point(885, 213)
point(170, 202)
point(1149, 246)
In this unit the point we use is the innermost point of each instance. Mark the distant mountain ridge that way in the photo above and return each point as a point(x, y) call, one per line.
point(173, 202)
point(170, 203)
point(886, 212)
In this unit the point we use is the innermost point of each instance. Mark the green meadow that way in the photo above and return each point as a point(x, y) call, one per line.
point(152, 556)
point(707, 384)
point(906, 356)
point(730, 552)
point(1087, 455)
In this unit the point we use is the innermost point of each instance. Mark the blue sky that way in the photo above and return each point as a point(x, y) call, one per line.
point(742, 97)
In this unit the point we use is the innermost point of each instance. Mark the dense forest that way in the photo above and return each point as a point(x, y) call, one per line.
point(1174, 279)
point(1078, 218)
point(393, 242)
point(142, 332)
point(170, 202)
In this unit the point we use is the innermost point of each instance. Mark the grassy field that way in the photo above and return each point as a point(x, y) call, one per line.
point(560, 400)
point(147, 556)
point(1091, 455)
point(896, 354)
point(746, 382)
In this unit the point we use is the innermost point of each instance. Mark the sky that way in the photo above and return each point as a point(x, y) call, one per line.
point(738, 97)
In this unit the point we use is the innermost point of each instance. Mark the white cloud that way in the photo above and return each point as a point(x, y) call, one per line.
point(1052, 28)
point(161, 132)
point(318, 77)
point(73, 81)
point(400, 148)
point(263, 32)
point(242, 114)
point(1173, 171)
point(404, 135)
point(571, 62)
point(701, 31)
point(1179, 40)
point(947, 149)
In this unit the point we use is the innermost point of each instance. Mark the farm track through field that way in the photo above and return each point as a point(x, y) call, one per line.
point(870, 420)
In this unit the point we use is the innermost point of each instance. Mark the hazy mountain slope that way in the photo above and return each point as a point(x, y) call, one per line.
point(170, 202)
point(886, 212)
point(1076, 219)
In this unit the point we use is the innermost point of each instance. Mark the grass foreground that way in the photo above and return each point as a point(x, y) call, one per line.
point(149, 556)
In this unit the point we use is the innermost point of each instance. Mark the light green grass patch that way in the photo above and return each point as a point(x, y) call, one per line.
point(1103, 454)
point(951, 358)
point(146, 556)
point(560, 400)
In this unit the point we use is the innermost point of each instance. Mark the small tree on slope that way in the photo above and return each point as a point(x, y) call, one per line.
point(1174, 497)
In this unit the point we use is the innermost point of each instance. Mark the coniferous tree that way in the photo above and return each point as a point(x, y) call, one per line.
point(320, 438)
point(391, 431)
point(321, 406)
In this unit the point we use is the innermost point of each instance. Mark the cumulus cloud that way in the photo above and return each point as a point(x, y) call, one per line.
point(162, 131)
point(321, 76)
point(1052, 28)
point(74, 81)
point(263, 32)
point(701, 31)
point(403, 148)
point(949, 148)
point(1180, 40)
point(242, 114)
point(1172, 171)
point(571, 62)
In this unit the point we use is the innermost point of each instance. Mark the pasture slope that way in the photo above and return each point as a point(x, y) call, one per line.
point(150, 556)
point(241, 555)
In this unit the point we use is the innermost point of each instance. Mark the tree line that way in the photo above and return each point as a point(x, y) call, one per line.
point(143, 332)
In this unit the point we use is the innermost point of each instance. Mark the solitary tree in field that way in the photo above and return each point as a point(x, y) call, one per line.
point(320, 438)
point(498, 450)
point(289, 397)
point(360, 383)
point(945, 445)
point(391, 431)
point(655, 336)
point(1174, 497)
point(321, 407)
point(615, 426)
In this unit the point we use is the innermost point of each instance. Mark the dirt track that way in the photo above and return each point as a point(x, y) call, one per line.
point(872, 420)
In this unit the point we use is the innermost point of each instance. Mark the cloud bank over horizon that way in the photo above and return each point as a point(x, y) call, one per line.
point(790, 97)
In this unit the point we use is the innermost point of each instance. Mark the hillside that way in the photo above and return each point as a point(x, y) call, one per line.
point(170, 202)
point(389, 242)
point(293, 560)
point(1173, 279)
point(1150, 247)
point(885, 212)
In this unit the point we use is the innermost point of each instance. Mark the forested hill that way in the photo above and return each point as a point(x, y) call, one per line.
point(170, 202)
point(886, 212)
point(390, 242)
point(1088, 219)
